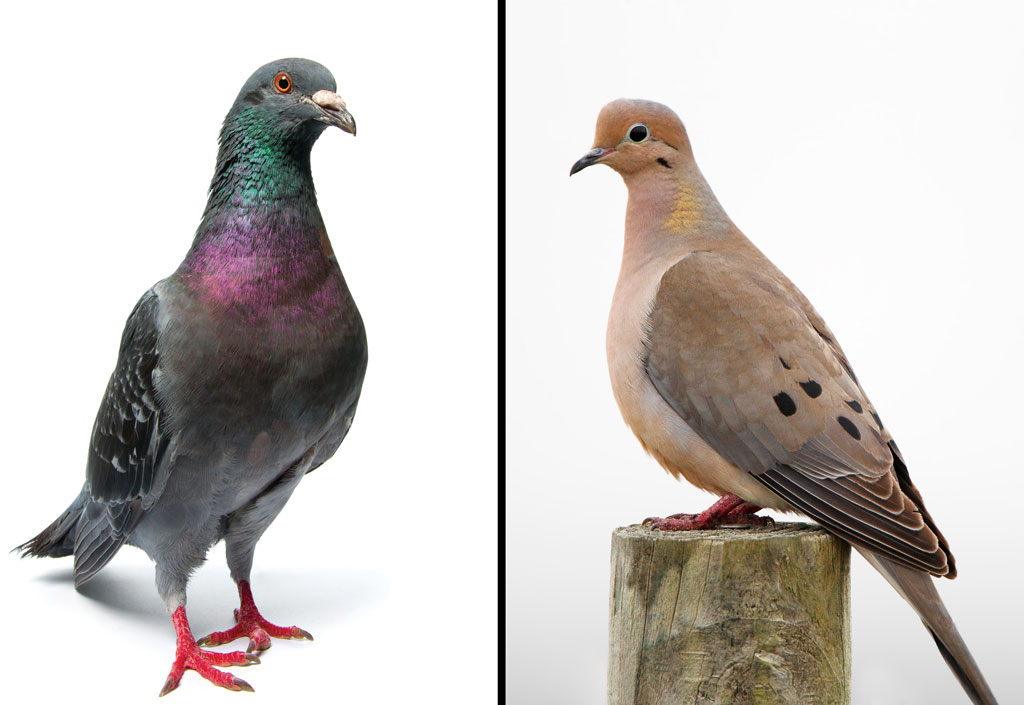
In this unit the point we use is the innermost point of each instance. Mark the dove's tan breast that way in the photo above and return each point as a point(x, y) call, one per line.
point(661, 431)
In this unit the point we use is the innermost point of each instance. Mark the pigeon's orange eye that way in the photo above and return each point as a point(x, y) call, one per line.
point(283, 82)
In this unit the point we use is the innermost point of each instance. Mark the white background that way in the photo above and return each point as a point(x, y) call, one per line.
point(873, 150)
point(110, 118)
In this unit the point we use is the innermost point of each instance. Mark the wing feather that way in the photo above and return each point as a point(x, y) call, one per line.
point(127, 447)
point(128, 438)
point(739, 353)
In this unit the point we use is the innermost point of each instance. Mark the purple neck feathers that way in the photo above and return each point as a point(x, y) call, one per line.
point(272, 268)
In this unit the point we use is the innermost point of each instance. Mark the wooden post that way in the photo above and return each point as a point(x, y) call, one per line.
point(729, 616)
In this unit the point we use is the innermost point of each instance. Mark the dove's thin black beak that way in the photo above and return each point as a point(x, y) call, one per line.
point(590, 158)
point(333, 111)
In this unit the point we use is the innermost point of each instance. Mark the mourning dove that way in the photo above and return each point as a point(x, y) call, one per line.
point(730, 378)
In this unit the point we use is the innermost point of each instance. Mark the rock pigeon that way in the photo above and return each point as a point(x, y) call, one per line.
point(730, 378)
point(237, 375)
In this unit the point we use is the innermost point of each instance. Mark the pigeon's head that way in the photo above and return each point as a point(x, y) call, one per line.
point(294, 98)
point(636, 135)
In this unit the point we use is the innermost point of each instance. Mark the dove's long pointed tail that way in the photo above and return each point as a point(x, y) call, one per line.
point(57, 539)
point(918, 589)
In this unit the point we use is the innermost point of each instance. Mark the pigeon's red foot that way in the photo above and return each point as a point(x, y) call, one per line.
point(189, 656)
point(251, 623)
point(730, 510)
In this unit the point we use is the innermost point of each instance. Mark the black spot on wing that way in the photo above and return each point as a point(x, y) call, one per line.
point(812, 388)
point(785, 364)
point(785, 403)
point(855, 405)
point(849, 426)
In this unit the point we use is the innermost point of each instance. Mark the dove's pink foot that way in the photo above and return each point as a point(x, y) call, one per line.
point(730, 510)
point(189, 656)
point(251, 623)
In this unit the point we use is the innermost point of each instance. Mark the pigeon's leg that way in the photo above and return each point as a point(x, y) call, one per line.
point(729, 510)
point(188, 655)
point(244, 529)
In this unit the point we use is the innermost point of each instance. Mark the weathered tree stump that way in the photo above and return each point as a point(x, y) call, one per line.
point(729, 616)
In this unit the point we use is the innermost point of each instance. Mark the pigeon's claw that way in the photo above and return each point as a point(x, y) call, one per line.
point(252, 624)
point(224, 680)
point(301, 634)
point(259, 631)
point(188, 656)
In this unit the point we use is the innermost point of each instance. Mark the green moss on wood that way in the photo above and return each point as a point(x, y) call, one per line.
point(728, 616)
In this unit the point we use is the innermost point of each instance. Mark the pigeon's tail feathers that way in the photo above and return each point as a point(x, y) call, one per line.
point(93, 552)
point(92, 531)
point(918, 589)
point(58, 539)
point(101, 531)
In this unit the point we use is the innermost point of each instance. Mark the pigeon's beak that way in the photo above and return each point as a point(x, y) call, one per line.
point(592, 157)
point(333, 111)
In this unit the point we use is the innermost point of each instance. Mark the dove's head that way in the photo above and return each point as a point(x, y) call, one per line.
point(637, 135)
point(291, 99)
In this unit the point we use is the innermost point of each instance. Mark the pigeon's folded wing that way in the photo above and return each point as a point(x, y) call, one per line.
point(128, 439)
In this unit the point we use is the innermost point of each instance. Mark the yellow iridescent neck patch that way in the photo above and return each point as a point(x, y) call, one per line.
point(688, 211)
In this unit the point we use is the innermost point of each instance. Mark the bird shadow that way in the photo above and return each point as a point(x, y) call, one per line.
point(316, 598)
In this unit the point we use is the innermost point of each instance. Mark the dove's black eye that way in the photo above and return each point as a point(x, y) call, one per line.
point(638, 132)
point(283, 82)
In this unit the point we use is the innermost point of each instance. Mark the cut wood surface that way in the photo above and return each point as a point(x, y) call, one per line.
point(729, 616)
